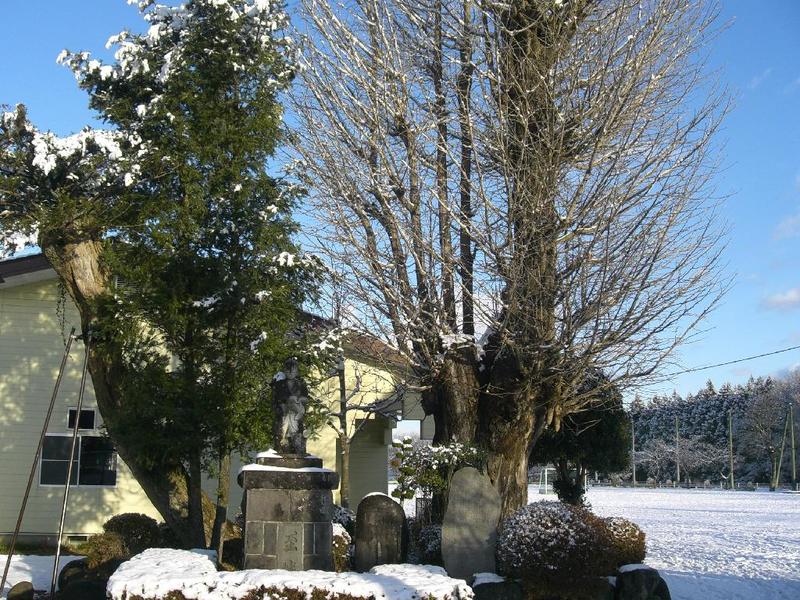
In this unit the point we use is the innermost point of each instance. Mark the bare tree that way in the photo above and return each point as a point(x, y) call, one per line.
point(699, 458)
point(361, 385)
point(766, 426)
point(566, 145)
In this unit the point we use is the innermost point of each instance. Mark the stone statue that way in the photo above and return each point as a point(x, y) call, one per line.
point(289, 400)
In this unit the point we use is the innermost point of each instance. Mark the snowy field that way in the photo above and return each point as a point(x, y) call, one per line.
point(713, 545)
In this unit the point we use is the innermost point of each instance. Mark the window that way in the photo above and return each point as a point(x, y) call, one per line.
point(86, 420)
point(94, 461)
point(55, 460)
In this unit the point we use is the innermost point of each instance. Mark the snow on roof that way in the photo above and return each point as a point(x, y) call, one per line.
point(157, 572)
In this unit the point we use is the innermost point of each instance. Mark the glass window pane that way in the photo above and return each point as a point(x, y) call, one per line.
point(54, 472)
point(98, 461)
point(86, 421)
point(56, 447)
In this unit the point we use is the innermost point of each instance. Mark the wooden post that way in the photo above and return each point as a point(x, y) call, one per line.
point(677, 453)
point(730, 448)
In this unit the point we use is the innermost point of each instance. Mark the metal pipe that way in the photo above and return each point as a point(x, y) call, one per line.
point(87, 340)
point(36, 458)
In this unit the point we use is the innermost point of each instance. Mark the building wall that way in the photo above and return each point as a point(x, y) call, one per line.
point(31, 348)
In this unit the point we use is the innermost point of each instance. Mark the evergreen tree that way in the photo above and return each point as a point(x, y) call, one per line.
point(595, 439)
point(198, 282)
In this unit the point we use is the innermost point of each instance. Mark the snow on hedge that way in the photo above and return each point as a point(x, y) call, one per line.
point(157, 572)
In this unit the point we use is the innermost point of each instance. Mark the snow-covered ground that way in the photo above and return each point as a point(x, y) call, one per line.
point(709, 545)
point(713, 545)
point(36, 569)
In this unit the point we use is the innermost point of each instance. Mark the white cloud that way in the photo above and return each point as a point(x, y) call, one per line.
point(760, 78)
point(788, 227)
point(788, 300)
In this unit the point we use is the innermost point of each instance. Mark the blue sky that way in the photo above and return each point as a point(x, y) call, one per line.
point(759, 60)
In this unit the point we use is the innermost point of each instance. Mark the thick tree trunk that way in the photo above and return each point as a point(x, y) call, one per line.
point(79, 268)
point(221, 509)
point(196, 501)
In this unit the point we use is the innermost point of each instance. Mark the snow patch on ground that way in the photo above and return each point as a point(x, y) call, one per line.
point(156, 572)
point(36, 569)
point(712, 545)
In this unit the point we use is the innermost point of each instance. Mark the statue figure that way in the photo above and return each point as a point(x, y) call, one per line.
point(289, 400)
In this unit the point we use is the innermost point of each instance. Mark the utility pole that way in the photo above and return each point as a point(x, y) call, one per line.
point(730, 448)
point(777, 478)
point(677, 453)
point(794, 455)
point(633, 451)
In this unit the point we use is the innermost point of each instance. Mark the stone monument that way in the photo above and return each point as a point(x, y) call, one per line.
point(469, 530)
point(381, 532)
point(288, 499)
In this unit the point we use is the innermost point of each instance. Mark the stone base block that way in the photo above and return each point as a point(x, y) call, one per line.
point(288, 512)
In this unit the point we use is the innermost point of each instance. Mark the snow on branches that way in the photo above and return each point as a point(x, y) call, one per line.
point(157, 56)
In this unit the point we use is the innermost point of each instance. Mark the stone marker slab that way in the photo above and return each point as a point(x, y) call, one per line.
point(469, 530)
point(381, 532)
point(289, 554)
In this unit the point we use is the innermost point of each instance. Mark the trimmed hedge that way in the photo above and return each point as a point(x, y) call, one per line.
point(138, 532)
point(104, 548)
point(552, 541)
point(627, 541)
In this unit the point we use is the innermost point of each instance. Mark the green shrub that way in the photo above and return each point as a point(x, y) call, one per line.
point(167, 537)
point(428, 543)
point(104, 548)
point(138, 532)
point(553, 541)
point(627, 541)
point(341, 548)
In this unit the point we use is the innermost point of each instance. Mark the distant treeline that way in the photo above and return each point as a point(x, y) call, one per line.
point(761, 430)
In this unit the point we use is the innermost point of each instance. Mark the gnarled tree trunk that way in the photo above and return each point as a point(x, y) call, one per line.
point(80, 269)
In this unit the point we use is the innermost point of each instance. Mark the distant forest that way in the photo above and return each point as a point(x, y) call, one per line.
point(761, 426)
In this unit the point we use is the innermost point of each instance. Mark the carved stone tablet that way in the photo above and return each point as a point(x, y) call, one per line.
point(469, 530)
point(289, 548)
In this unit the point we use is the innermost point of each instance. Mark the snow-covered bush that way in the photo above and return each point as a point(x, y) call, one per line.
point(160, 574)
point(627, 541)
point(550, 540)
point(427, 469)
point(428, 542)
point(137, 531)
point(341, 548)
point(345, 517)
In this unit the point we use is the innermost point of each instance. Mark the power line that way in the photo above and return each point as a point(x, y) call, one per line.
point(731, 362)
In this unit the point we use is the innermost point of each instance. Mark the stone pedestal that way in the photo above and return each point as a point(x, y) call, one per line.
point(287, 507)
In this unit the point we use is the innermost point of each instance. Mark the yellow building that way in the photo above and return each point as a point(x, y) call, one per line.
point(32, 330)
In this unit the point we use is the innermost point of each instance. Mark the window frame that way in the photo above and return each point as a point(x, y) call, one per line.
point(79, 450)
point(94, 419)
